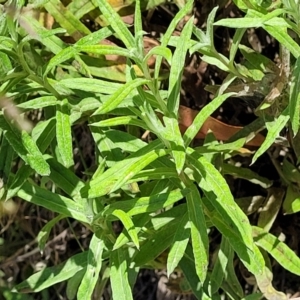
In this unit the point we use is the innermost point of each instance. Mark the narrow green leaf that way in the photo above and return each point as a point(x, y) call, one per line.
point(166, 37)
point(295, 97)
point(94, 263)
point(73, 284)
point(147, 204)
point(39, 102)
point(219, 270)
point(247, 174)
point(128, 224)
point(63, 133)
point(180, 241)
point(225, 213)
point(157, 173)
point(45, 231)
point(66, 19)
point(6, 158)
point(51, 201)
point(46, 37)
point(173, 135)
point(50, 276)
point(160, 51)
point(95, 37)
point(119, 275)
point(198, 232)
point(239, 33)
point(155, 244)
point(291, 202)
point(34, 157)
point(123, 140)
point(270, 208)
point(115, 21)
point(119, 95)
point(210, 29)
point(281, 35)
point(279, 250)
point(202, 116)
point(59, 58)
point(123, 171)
point(245, 22)
point(104, 50)
point(64, 178)
point(274, 129)
point(124, 120)
point(138, 28)
point(88, 85)
point(230, 277)
point(177, 67)
point(43, 133)
point(187, 265)
point(250, 204)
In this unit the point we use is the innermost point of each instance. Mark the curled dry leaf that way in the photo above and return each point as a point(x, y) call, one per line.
point(221, 130)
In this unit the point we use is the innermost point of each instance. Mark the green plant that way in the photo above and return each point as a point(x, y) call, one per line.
point(166, 194)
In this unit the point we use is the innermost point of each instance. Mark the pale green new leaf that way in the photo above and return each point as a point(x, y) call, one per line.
point(181, 239)
point(63, 133)
point(128, 224)
point(119, 275)
point(119, 95)
point(93, 267)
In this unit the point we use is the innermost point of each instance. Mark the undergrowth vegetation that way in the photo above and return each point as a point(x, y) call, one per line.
point(165, 195)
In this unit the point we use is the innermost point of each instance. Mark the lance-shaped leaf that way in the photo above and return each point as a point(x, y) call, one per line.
point(120, 95)
point(50, 276)
point(63, 133)
point(123, 171)
point(94, 263)
point(119, 275)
